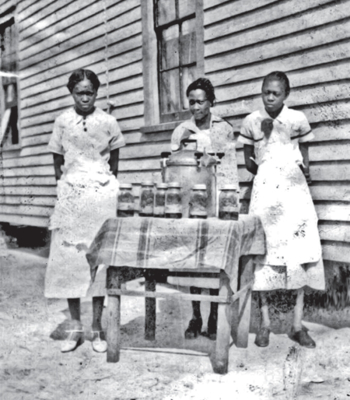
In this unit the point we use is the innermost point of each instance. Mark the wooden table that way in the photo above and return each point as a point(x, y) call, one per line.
point(218, 250)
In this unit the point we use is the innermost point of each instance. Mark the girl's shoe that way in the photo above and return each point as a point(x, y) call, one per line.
point(194, 328)
point(98, 342)
point(74, 339)
point(262, 338)
point(303, 338)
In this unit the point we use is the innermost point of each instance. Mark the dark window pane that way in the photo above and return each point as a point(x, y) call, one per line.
point(13, 125)
point(188, 42)
point(186, 7)
point(170, 91)
point(188, 76)
point(170, 47)
point(166, 11)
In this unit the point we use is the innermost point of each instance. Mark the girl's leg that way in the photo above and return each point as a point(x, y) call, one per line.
point(298, 310)
point(99, 343)
point(195, 325)
point(300, 333)
point(265, 321)
point(262, 337)
point(213, 316)
point(97, 309)
point(75, 333)
point(74, 309)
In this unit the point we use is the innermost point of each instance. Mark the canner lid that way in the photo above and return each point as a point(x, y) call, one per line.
point(162, 185)
point(174, 185)
point(147, 183)
point(125, 186)
point(229, 187)
point(199, 186)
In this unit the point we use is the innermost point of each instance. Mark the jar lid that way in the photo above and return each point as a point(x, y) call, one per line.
point(125, 186)
point(229, 187)
point(199, 186)
point(147, 183)
point(174, 185)
point(162, 186)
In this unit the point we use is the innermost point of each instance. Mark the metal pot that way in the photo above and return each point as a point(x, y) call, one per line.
point(190, 167)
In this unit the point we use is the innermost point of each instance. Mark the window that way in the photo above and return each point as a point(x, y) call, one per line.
point(9, 86)
point(173, 56)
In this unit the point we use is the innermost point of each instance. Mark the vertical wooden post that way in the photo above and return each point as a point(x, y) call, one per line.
point(150, 306)
point(113, 315)
point(244, 308)
point(223, 330)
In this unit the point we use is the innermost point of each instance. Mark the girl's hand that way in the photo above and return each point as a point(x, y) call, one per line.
point(267, 127)
point(306, 174)
point(308, 178)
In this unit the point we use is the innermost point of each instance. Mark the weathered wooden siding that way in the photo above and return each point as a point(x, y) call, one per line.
point(244, 40)
point(56, 37)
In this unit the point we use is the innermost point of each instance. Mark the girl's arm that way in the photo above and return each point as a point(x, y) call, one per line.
point(304, 149)
point(114, 161)
point(248, 156)
point(58, 161)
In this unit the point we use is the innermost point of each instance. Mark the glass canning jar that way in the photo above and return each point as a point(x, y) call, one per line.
point(173, 201)
point(146, 199)
point(159, 200)
point(229, 203)
point(125, 207)
point(198, 201)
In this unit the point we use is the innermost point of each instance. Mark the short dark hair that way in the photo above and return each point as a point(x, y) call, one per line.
point(278, 76)
point(81, 74)
point(204, 84)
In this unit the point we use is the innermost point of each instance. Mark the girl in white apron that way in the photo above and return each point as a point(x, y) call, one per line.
point(85, 144)
point(275, 149)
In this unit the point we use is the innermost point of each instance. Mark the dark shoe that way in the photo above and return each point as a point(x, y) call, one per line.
point(194, 328)
point(212, 326)
point(262, 338)
point(304, 339)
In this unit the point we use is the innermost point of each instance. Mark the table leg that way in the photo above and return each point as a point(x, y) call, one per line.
point(223, 330)
point(150, 305)
point(244, 308)
point(113, 315)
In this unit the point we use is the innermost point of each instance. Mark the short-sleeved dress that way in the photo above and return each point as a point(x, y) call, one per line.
point(218, 138)
point(86, 197)
point(282, 199)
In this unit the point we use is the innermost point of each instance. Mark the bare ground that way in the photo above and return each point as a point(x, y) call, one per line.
point(32, 367)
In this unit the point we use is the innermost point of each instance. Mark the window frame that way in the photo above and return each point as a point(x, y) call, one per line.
point(152, 113)
point(5, 18)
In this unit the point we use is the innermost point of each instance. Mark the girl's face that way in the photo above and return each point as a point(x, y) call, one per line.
point(199, 104)
point(273, 95)
point(84, 96)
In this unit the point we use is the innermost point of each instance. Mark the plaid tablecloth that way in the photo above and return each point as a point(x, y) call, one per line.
point(189, 244)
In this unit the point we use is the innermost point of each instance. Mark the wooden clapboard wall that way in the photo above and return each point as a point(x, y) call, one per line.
point(244, 40)
point(310, 40)
point(56, 37)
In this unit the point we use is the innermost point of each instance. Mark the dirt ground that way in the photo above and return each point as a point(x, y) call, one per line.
point(32, 366)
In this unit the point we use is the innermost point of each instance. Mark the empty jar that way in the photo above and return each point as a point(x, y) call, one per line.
point(125, 206)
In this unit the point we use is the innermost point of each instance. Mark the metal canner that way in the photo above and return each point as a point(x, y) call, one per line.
point(190, 167)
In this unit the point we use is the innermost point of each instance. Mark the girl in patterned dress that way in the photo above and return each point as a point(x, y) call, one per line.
point(85, 144)
point(276, 152)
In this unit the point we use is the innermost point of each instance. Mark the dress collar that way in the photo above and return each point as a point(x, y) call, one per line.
point(280, 117)
point(190, 124)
